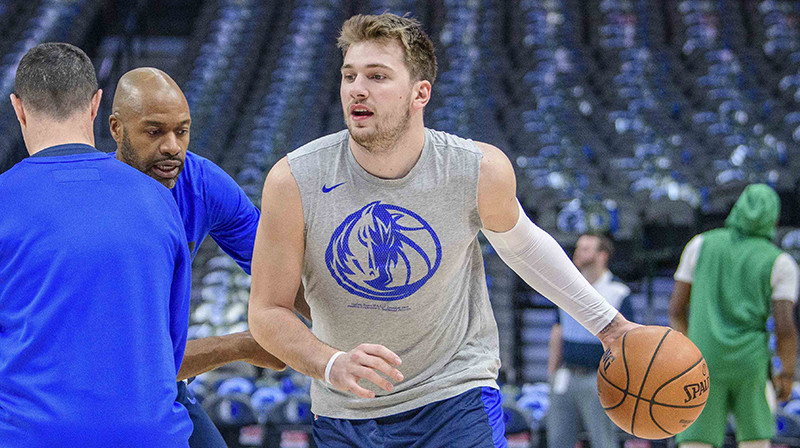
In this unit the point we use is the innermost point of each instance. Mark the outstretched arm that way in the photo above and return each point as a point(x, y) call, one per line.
point(277, 267)
point(534, 255)
point(206, 354)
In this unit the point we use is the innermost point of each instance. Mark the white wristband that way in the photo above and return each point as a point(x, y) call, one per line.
point(330, 364)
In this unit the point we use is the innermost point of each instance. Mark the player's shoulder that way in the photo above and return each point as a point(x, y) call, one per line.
point(495, 165)
point(786, 261)
point(137, 184)
point(280, 175)
point(444, 141)
point(318, 146)
point(492, 159)
point(197, 165)
point(130, 175)
point(200, 174)
point(8, 178)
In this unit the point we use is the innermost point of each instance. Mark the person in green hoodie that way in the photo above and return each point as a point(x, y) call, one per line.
point(727, 284)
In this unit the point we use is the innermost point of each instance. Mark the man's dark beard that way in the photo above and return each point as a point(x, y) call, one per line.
point(129, 154)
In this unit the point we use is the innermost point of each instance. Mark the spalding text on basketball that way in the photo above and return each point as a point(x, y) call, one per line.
point(695, 390)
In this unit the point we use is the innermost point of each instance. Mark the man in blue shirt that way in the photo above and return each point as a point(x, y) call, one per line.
point(150, 122)
point(575, 355)
point(92, 338)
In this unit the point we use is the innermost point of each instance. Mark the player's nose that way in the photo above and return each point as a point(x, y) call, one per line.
point(170, 144)
point(358, 88)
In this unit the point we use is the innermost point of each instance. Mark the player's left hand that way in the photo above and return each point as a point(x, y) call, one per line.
point(783, 385)
point(256, 355)
point(615, 329)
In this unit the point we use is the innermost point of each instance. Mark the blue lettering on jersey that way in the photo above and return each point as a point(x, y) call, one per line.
point(383, 252)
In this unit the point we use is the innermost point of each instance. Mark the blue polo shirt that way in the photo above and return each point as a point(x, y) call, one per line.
point(210, 202)
point(94, 304)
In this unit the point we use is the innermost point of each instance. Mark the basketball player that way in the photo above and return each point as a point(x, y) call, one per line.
point(575, 354)
point(150, 122)
point(92, 337)
point(381, 221)
point(727, 282)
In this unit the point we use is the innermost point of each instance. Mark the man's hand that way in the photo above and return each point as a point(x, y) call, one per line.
point(783, 385)
point(615, 329)
point(364, 362)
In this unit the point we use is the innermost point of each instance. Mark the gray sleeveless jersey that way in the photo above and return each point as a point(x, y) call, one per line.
point(398, 263)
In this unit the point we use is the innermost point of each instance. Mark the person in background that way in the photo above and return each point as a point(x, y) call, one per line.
point(575, 354)
point(727, 284)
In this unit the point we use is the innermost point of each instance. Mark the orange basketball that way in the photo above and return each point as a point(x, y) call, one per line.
point(653, 382)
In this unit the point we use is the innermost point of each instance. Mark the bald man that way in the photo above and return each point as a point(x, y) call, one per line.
point(150, 122)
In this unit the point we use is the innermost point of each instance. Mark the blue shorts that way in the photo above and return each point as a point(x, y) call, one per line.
point(471, 420)
point(205, 434)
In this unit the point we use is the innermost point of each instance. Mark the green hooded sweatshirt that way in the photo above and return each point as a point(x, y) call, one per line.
point(731, 292)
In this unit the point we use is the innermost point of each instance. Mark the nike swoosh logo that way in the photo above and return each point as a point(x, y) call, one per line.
point(328, 190)
point(191, 399)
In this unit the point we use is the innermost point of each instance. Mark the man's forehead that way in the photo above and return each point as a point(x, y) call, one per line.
point(375, 53)
point(165, 118)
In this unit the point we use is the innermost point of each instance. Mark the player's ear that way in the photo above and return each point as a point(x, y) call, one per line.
point(95, 102)
point(17, 104)
point(115, 126)
point(422, 93)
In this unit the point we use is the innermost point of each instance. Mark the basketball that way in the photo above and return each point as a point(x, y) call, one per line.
point(653, 382)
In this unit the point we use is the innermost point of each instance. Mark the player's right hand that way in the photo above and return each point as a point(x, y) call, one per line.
point(364, 362)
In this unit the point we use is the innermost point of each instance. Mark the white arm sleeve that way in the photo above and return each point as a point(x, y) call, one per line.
point(536, 257)
point(784, 279)
point(689, 257)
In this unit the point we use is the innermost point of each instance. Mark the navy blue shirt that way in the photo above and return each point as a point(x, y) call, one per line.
point(94, 304)
point(210, 202)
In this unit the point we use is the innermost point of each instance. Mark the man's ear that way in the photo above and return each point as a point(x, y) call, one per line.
point(115, 125)
point(16, 103)
point(422, 94)
point(95, 103)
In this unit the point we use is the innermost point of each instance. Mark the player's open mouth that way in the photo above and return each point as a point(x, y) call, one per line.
point(167, 169)
point(359, 112)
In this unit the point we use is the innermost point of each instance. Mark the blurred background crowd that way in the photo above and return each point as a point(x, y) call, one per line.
point(642, 119)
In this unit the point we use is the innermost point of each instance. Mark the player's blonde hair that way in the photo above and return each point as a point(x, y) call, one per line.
point(418, 49)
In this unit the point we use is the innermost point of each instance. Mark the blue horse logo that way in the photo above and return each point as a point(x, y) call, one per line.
point(383, 252)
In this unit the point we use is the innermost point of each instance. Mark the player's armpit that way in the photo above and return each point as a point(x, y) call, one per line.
point(300, 304)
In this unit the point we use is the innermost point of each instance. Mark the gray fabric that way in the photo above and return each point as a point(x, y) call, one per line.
point(576, 408)
point(374, 272)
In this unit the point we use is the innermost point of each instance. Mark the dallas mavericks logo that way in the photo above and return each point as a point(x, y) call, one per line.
point(383, 252)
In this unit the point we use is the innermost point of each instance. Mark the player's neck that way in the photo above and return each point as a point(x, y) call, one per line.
point(392, 162)
point(42, 135)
